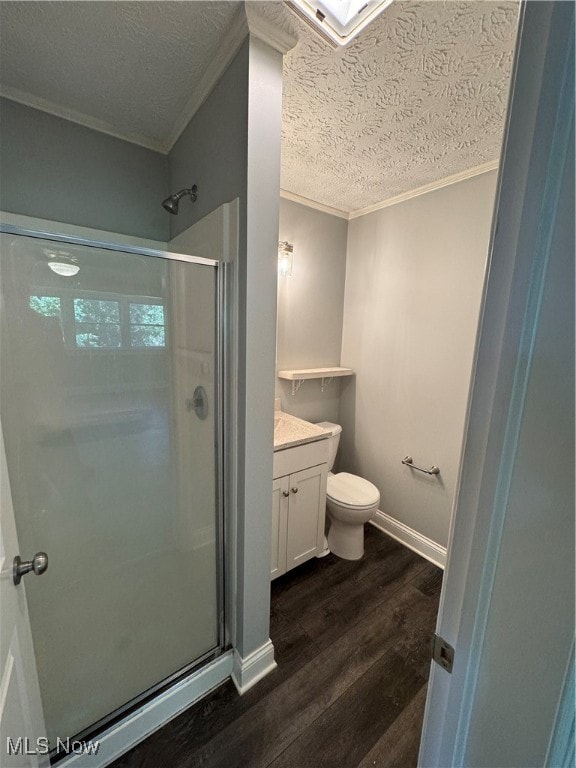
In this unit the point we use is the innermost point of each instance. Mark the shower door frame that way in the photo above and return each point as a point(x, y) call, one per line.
point(215, 665)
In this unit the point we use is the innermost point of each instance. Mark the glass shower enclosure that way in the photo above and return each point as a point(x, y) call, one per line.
point(110, 402)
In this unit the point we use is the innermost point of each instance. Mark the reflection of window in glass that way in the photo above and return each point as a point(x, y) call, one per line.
point(97, 323)
point(147, 325)
point(48, 306)
point(111, 321)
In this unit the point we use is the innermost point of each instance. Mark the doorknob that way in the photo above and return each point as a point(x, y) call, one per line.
point(198, 403)
point(20, 568)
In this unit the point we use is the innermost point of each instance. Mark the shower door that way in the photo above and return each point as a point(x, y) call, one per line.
point(109, 405)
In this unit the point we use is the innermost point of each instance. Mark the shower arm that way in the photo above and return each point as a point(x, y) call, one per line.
point(192, 191)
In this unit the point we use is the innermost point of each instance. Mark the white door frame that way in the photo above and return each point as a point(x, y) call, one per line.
point(534, 156)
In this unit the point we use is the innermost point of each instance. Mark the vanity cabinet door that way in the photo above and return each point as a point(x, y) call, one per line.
point(306, 512)
point(280, 500)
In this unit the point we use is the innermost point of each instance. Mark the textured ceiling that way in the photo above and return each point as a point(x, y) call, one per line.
point(131, 66)
point(420, 95)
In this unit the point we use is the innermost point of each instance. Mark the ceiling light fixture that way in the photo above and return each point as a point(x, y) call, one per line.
point(64, 269)
point(62, 262)
point(338, 21)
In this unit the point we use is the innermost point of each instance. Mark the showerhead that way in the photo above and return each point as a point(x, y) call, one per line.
point(171, 203)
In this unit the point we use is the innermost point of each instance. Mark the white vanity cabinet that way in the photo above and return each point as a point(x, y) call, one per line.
point(298, 505)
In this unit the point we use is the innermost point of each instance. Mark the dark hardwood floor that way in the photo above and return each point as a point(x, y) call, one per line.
point(352, 643)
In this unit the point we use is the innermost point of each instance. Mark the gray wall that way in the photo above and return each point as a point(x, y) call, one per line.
point(413, 289)
point(58, 170)
point(310, 307)
point(212, 150)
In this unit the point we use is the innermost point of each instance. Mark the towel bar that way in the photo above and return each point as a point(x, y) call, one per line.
point(434, 470)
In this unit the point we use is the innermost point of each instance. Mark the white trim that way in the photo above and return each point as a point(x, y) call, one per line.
point(432, 187)
point(88, 121)
point(268, 30)
point(410, 538)
point(151, 716)
point(247, 672)
point(313, 204)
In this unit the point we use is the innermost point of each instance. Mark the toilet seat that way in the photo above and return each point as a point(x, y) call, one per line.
point(352, 491)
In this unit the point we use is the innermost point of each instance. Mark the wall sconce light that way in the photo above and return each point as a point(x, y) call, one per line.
point(285, 255)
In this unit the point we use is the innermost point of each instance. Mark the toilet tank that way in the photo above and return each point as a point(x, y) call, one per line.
point(333, 441)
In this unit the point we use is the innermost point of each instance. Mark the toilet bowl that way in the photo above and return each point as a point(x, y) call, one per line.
point(350, 502)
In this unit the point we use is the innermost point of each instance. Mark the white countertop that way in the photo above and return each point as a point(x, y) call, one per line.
point(290, 431)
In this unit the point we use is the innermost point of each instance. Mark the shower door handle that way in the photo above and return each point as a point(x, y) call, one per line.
point(38, 564)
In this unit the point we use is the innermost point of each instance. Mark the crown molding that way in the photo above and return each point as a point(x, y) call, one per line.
point(227, 50)
point(432, 187)
point(268, 30)
point(249, 20)
point(229, 47)
point(43, 105)
point(286, 195)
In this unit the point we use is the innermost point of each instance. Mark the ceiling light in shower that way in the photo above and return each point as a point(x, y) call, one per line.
point(285, 255)
point(338, 21)
point(62, 262)
point(63, 268)
point(171, 203)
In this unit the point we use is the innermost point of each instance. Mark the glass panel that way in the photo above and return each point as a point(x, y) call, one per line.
point(93, 311)
point(49, 306)
point(97, 335)
point(112, 475)
point(150, 314)
point(147, 336)
point(147, 326)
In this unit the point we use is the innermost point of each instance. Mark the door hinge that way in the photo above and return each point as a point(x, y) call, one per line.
point(442, 653)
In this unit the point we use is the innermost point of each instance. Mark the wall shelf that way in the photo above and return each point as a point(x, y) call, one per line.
point(299, 375)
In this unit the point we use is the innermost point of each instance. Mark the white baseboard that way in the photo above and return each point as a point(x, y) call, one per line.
point(121, 737)
point(410, 538)
point(248, 671)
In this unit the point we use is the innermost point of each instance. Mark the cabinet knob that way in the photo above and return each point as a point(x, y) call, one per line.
point(294, 490)
point(285, 493)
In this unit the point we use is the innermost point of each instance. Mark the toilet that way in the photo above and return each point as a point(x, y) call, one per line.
point(350, 502)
